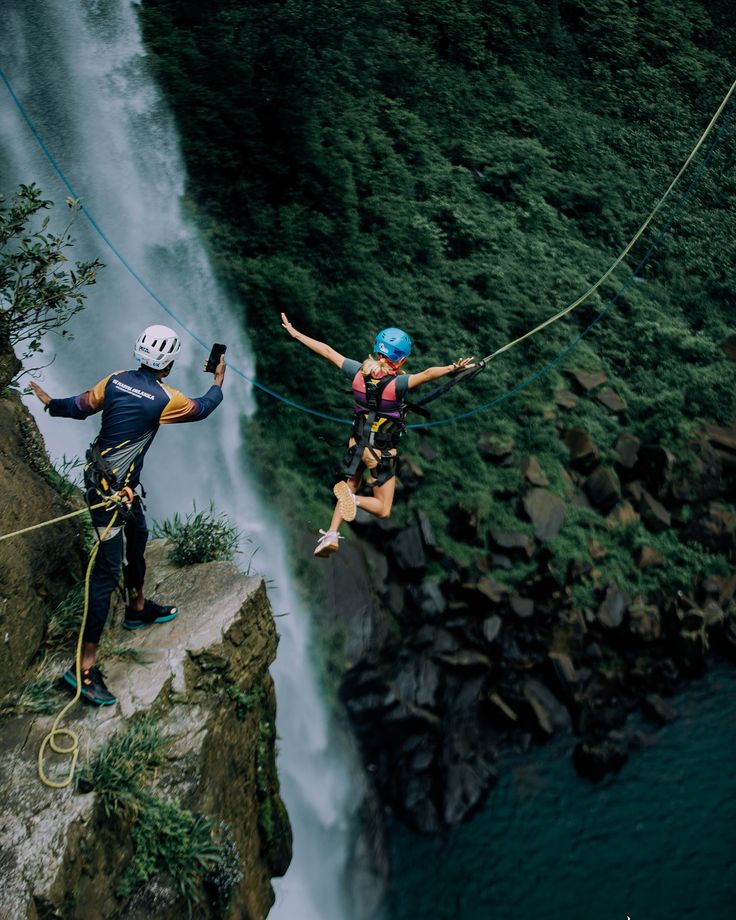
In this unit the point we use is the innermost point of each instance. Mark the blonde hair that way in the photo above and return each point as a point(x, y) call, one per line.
point(377, 367)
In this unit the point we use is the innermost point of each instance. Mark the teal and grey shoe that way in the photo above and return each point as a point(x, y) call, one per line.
point(93, 685)
point(151, 613)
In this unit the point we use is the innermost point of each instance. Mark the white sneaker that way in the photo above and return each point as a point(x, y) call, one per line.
point(346, 502)
point(328, 543)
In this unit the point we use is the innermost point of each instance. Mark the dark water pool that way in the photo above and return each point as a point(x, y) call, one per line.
point(657, 842)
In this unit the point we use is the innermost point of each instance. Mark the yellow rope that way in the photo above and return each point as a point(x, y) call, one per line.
point(72, 748)
point(64, 517)
point(634, 239)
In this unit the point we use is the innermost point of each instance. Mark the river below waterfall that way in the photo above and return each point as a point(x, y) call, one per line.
point(655, 842)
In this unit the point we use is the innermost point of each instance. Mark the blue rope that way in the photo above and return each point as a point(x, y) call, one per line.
point(332, 418)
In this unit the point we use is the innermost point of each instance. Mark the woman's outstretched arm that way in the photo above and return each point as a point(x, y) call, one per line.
point(319, 348)
point(434, 373)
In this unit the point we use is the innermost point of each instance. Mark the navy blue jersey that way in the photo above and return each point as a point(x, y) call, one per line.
point(133, 405)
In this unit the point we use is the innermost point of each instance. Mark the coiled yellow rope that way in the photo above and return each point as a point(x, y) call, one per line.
point(72, 748)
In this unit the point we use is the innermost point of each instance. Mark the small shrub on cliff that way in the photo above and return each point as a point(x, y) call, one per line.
point(123, 763)
point(38, 293)
point(197, 854)
point(203, 536)
point(171, 839)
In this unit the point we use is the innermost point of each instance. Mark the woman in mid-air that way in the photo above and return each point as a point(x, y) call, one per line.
point(380, 389)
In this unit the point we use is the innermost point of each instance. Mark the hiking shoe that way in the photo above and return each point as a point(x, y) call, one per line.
point(328, 543)
point(151, 613)
point(93, 685)
point(346, 502)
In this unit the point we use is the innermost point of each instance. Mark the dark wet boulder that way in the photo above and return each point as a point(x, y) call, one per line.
point(546, 512)
point(611, 400)
point(410, 474)
point(495, 450)
point(654, 467)
point(429, 599)
point(614, 606)
point(548, 712)
point(565, 671)
point(594, 758)
point(647, 557)
point(603, 488)
point(587, 380)
point(425, 529)
point(464, 659)
point(723, 441)
point(468, 777)
point(491, 589)
point(513, 544)
point(491, 628)
point(658, 709)
point(533, 472)
point(565, 399)
point(644, 621)
point(418, 683)
point(584, 455)
point(654, 514)
point(412, 794)
point(523, 607)
point(627, 450)
point(623, 514)
point(407, 549)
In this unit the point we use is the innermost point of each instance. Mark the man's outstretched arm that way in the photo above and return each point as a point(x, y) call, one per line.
point(182, 408)
point(79, 407)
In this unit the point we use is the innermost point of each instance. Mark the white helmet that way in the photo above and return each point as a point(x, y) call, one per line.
point(157, 347)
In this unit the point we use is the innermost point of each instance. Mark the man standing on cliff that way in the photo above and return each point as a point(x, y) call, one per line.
point(133, 404)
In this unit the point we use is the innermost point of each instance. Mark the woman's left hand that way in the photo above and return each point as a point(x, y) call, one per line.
point(287, 325)
point(462, 364)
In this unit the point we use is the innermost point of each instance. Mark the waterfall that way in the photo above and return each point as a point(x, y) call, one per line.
point(80, 69)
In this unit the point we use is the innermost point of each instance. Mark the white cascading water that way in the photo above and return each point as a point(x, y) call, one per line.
point(80, 69)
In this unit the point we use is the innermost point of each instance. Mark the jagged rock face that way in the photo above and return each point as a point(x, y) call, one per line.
point(37, 569)
point(204, 679)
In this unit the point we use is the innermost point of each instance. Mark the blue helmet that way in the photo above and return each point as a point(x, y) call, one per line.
point(393, 344)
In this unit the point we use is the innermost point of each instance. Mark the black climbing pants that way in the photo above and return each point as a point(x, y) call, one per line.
point(106, 571)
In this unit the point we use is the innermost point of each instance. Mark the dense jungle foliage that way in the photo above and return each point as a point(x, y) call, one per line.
point(463, 170)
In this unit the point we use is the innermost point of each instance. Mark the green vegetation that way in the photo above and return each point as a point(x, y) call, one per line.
point(38, 293)
point(203, 536)
point(119, 770)
point(463, 170)
point(168, 839)
point(245, 700)
point(273, 821)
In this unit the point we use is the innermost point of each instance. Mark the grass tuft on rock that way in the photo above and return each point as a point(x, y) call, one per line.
point(202, 536)
point(196, 853)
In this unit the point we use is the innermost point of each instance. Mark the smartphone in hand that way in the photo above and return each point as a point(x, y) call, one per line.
point(217, 352)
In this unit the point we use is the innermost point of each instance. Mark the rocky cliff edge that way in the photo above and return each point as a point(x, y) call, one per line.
point(176, 804)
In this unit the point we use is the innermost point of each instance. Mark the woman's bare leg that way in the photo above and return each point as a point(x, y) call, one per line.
point(382, 500)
